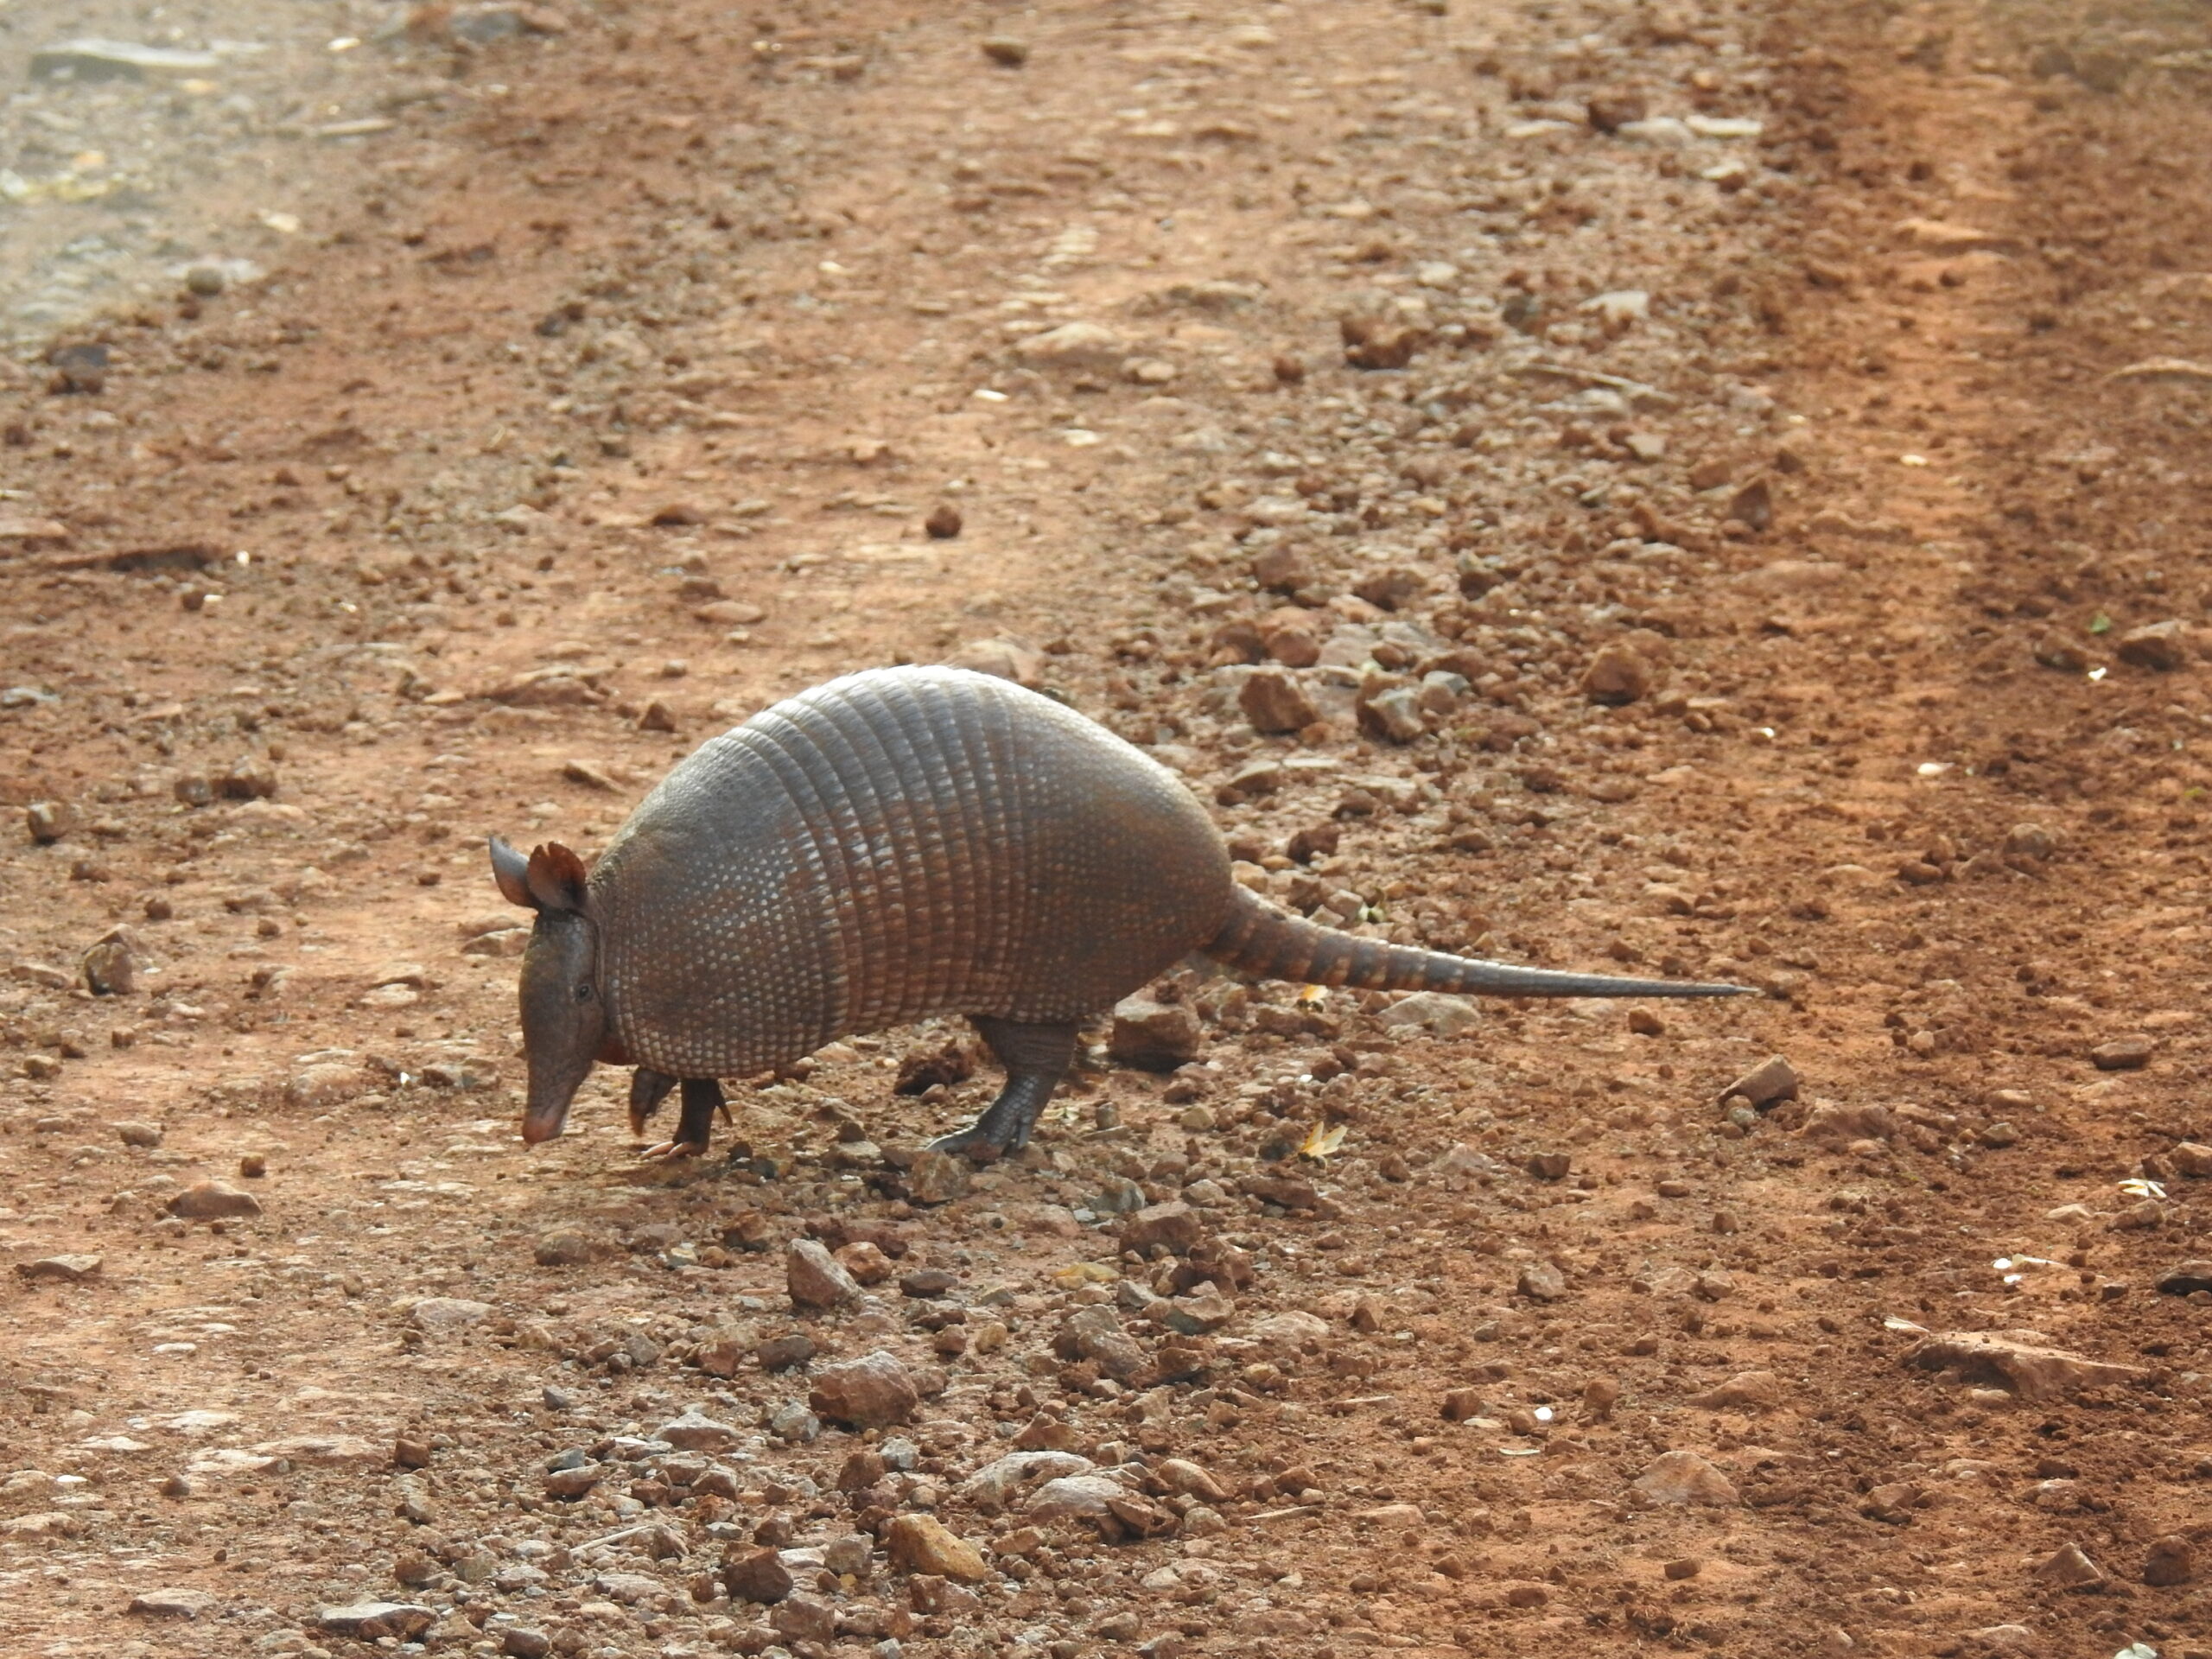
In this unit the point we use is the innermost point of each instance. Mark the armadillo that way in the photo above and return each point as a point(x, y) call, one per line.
point(895, 845)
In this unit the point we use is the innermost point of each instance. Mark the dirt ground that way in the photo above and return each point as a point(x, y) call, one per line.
point(1728, 478)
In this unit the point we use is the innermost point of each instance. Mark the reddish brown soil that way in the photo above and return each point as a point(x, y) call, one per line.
point(702, 301)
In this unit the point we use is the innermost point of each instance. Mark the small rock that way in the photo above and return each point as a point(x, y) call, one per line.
point(1176, 1225)
point(1609, 112)
point(1074, 345)
point(1394, 714)
point(1542, 1282)
point(696, 1431)
point(249, 778)
point(521, 1642)
point(2069, 1569)
point(945, 522)
point(1745, 1391)
point(1684, 1477)
point(2122, 1054)
point(1439, 1011)
point(936, 1178)
point(59, 1270)
point(1008, 51)
point(922, 1543)
point(872, 1392)
point(816, 1278)
point(2030, 840)
point(1618, 674)
point(2172, 1560)
point(1274, 702)
point(1688, 1568)
point(135, 1134)
point(1073, 1497)
point(1152, 1036)
point(48, 821)
point(1002, 660)
point(2191, 1159)
point(365, 1621)
point(445, 1316)
point(806, 1622)
point(110, 966)
point(2160, 646)
point(998, 1483)
point(757, 1575)
point(213, 1201)
point(2059, 651)
point(569, 1484)
point(172, 1604)
point(1771, 1081)
point(566, 1247)
point(2187, 1279)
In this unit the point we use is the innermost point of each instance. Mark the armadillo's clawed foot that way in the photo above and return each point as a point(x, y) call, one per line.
point(673, 1149)
point(972, 1143)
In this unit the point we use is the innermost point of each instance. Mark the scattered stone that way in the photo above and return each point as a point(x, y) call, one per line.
point(1088, 346)
point(1768, 1083)
point(2191, 1159)
point(2017, 1360)
point(568, 1247)
point(110, 966)
point(1008, 51)
point(922, 1543)
point(135, 1134)
point(2122, 1054)
point(1073, 1497)
point(945, 522)
point(1393, 713)
point(1176, 1225)
point(1274, 702)
point(1688, 1568)
point(1609, 112)
point(816, 1278)
point(367, 1621)
point(997, 1485)
point(2160, 646)
point(46, 822)
point(521, 1642)
point(213, 1201)
point(1745, 1391)
point(2187, 1279)
point(1542, 1282)
point(1684, 1477)
point(1437, 1012)
point(1618, 674)
point(1002, 660)
point(172, 1604)
point(2070, 1569)
point(59, 1270)
point(757, 1575)
point(693, 1431)
point(872, 1392)
point(936, 1178)
point(2172, 1560)
point(445, 1316)
point(569, 1484)
point(1152, 1036)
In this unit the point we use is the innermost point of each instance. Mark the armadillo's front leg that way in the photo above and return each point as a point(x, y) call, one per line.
point(648, 1088)
point(1035, 1058)
point(695, 1122)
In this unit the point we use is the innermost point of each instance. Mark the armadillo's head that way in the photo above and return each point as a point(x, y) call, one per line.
point(563, 1014)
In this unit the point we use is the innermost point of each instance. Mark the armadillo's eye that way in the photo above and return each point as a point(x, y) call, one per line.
point(583, 992)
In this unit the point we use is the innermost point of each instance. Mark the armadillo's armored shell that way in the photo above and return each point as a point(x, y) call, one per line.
point(896, 844)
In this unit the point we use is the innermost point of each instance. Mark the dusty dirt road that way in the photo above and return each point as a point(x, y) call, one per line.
point(1727, 480)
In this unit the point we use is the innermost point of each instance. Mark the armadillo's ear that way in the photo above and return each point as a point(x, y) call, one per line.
point(511, 871)
point(557, 877)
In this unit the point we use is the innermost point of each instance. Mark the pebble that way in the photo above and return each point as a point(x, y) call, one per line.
point(874, 1391)
point(1618, 674)
point(1009, 51)
point(1437, 1011)
point(1274, 702)
point(2122, 1054)
point(2032, 1372)
point(816, 1278)
point(1770, 1082)
point(1152, 1036)
point(693, 1431)
point(172, 1604)
point(945, 522)
point(1682, 1477)
point(2160, 646)
point(367, 1621)
point(2172, 1560)
point(48, 821)
point(936, 1178)
point(2030, 840)
point(922, 1543)
point(1176, 1225)
point(2069, 1569)
point(135, 1134)
point(521, 1642)
point(2060, 650)
point(59, 1270)
point(2186, 1279)
point(110, 966)
point(445, 1316)
point(568, 1247)
point(1074, 345)
point(2191, 1158)
point(213, 1201)
point(1542, 1281)
point(1745, 1391)
point(756, 1575)
point(1002, 660)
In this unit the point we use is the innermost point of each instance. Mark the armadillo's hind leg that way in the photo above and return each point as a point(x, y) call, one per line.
point(1035, 1058)
point(695, 1121)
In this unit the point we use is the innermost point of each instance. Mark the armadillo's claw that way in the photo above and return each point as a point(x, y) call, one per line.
point(672, 1149)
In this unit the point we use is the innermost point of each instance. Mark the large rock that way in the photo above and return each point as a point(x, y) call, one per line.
point(922, 1543)
point(816, 1278)
point(2019, 1360)
point(1684, 1477)
point(1152, 1036)
point(872, 1392)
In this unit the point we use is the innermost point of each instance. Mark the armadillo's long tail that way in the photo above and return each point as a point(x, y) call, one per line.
point(1264, 941)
